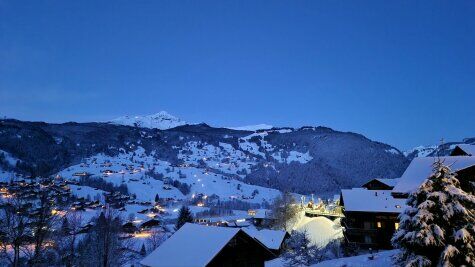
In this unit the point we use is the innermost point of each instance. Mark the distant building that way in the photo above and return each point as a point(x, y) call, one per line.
point(463, 150)
point(380, 184)
point(261, 217)
point(199, 245)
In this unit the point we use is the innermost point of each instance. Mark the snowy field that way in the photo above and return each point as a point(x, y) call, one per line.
point(321, 230)
point(131, 169)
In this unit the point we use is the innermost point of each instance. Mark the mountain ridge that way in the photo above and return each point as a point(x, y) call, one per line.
point(305, 160)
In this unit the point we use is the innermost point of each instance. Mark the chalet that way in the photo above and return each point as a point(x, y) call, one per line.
point(371, 214)
point(421, 168)
point(371, 217)
point(199, 245)
point(380, 184)
point(261, 217)
point(463, 150)
point(150, 224)
point(129, 227)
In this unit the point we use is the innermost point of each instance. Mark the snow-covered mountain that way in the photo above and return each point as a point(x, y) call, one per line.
point(434, 150)
point(211, 160)
point(420, 151)
point(252, 127)
point(161, 120)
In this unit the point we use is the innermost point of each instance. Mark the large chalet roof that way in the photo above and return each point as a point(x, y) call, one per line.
point(192, 245)
point(364, 200)
point(421, 168)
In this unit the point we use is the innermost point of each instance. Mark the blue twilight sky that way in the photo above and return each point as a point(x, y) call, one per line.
point(400, 72)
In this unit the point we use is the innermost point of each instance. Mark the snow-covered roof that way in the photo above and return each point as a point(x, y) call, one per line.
point(262, 214)
point(390, 182)
point(272, 239)
point(421, 168)
point(467, 148)
point(361, 199)
point(192, 245)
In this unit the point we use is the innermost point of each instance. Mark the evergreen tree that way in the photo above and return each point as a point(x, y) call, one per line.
point(300, 251)
point(183, 217)
point(143, 251)
point(438, 227)
point(157, 198)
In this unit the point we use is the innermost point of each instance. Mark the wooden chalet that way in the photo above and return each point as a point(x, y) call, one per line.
point(199, 245)
point(371, 214)
point(380, 184)
point(150, 224)
point(261, 217)
point(371, 217)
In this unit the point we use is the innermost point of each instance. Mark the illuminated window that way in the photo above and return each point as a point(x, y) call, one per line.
point(396, 225)
point(378, 224)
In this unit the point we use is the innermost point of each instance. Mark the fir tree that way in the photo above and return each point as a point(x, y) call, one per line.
point(183, 217)
point(300, 251)
point(143, 251)
point(438, 227)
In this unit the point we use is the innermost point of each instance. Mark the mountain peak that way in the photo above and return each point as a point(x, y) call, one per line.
point(161, 120)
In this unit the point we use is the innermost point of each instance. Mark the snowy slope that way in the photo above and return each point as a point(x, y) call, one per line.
point(252, 127)
point(381, 259)
point(132, 169)
point(162, 120)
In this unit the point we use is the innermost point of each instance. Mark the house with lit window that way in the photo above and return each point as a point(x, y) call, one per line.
point(371, 213)
point(371, 217)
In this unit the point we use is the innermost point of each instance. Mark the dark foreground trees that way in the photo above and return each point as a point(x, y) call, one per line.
point(103, 245)
point(438, 227)
point(285, 212)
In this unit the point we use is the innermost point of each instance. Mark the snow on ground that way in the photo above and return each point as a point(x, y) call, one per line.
point(393, 151)
point(252, 127)
point(421, 151)
point(88, 192)
point(321, 230)
point(299, 157)
point(8, 158)
point(381, 259)
point(223, 157)
point(131, 170)
point(162, 120)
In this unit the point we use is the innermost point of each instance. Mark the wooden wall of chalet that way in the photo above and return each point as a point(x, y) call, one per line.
point(361, 229)
point(466, 178)
point(242, 250)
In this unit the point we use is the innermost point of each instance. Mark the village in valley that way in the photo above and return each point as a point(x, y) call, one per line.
point(155, 216)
